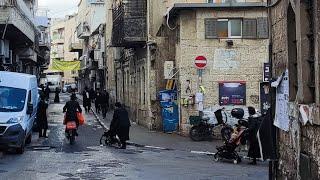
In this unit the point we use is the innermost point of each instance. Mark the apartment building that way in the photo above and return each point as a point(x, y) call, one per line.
point(19, 36)
point(62, 31)
point(146, 35)
point(90, 30)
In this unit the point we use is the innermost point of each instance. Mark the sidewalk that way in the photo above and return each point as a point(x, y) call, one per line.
point(142, 136)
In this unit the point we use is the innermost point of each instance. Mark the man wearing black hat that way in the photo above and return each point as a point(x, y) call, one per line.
point(120, 124)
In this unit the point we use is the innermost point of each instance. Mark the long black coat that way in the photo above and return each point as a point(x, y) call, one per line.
point(71, 109)
point(42, 121)
point(120, 123)
point(254, 149)
point(85, 98)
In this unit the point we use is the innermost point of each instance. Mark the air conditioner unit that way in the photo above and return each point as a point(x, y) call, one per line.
point(9, 60)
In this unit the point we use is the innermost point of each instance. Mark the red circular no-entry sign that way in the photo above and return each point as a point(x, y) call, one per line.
point(200, 62)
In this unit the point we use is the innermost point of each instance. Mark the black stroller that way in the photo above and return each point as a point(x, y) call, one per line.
point(109, 138)
point(228, 150)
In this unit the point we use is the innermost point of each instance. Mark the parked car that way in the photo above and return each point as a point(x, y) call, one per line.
point(18, 109)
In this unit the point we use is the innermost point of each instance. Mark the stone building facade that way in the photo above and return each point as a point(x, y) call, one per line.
point(136, 67)
point(61, 31)
point(19, 40)
point(239, 63)
point(295, 47)
point(135, 61)
point(90, 31)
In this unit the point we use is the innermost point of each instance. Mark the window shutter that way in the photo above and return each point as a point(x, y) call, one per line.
point(262, 28)
point(210, 28)
point(249, 28)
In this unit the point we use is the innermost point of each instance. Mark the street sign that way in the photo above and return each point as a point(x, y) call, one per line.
point(266, 72)
point(200, 62)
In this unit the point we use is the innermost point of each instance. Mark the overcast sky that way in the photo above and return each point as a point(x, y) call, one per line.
point(59, 8)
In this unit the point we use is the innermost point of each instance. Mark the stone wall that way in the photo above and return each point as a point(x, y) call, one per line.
point(248, 65)
point(301, 142)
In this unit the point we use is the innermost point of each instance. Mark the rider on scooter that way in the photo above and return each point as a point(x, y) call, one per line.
point(71, 108)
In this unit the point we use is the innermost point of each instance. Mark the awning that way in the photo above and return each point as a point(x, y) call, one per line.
point(217, 6)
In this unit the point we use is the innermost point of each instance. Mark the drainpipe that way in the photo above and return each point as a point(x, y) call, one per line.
point(272, 163)
point(147, 79)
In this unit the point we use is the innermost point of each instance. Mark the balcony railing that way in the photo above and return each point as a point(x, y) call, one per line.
point(129, 23)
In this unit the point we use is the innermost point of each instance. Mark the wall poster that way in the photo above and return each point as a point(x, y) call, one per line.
point(232, 93)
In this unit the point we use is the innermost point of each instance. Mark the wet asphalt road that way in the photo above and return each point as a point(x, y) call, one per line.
point(54, 158)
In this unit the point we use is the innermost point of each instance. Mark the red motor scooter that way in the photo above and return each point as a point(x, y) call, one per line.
point(71, 131)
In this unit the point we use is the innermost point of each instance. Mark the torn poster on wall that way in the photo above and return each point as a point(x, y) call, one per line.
point(306, 114)
point(226, 59)
point(282, 120)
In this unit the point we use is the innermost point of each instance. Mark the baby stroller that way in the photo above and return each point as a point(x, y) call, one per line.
point(228, 150)
point(109, 138)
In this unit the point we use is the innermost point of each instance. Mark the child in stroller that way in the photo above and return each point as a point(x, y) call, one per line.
point(228, 150)
point(109, 138)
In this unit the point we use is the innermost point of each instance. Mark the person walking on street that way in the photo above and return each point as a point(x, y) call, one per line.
point(47, 92)
point(56, 97)
point(104, 103)
point(120, 124)
point(92, 95)
point(71, 108)
point(254, 149)
point(98, 101)
point(86, 100)
point(42, 121)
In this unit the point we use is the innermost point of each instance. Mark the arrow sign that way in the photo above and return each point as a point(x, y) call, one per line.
point(200, 62)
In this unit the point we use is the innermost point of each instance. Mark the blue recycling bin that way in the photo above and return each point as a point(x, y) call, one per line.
point(170, 114)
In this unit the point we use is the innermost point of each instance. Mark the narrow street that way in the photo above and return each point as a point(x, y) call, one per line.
point(54, 158)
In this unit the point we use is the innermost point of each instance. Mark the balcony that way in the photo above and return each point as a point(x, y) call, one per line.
point(75, 47)
point(44, 41)
point(19, 18)
point(129, 23)
point(57, 54)
point(83, 30)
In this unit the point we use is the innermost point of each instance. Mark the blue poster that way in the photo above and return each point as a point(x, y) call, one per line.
point(232, 93)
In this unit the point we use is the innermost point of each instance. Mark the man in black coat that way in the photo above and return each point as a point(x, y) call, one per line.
point(42, 121)
point(254, 123)
point(86, 99)
point(120, 124)
point(104, 103)
point(71, 108)
point(47, 92)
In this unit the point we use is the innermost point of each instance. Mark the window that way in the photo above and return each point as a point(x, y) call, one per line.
point(222, 28)
point(236, 28)
point(229, 28)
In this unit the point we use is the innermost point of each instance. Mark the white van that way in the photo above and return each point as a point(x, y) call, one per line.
point(18, 109)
